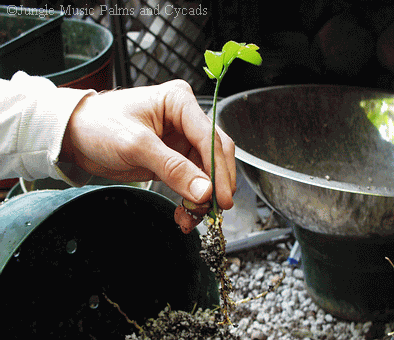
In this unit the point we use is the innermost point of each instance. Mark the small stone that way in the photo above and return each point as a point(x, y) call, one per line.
point(298, 274)
point(258, 335)
point(243, 324)
point(259, 274)
point(264, 213)
point(301, 333)
point(298, 314)
point(270, 296)
point(272, 255)
point(367, 326)
point(319, 320)
point(261, 317)
point(234, 268)
point(234, 260)
point(252, 285)
point(276, 268)
point(286, 293)
point(329, 318)
point(298, 285)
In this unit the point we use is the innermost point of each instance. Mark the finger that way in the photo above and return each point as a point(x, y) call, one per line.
point(133, 174)
point(179, 143)
point(174, 169)
point(229, 154)
point(197, 127)
point(225, 171)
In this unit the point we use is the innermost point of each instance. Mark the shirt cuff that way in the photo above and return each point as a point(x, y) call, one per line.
point(42, 127)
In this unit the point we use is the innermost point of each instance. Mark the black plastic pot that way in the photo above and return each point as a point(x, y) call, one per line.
point(62, 250)
point(30, 40)
point(349, 276)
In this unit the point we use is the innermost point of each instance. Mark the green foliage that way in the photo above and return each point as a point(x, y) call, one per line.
point(214, 62)
point(217, 66)
point(380, 113)
point(218, 62)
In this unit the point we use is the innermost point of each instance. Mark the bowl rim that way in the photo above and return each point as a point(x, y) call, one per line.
point(260, 164)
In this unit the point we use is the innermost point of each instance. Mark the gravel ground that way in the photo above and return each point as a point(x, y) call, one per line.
point(287, 313)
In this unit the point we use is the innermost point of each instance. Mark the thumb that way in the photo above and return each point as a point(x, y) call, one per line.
point(178, 172)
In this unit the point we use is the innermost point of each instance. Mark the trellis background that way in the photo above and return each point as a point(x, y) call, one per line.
point(152, 43)
point(154, 48)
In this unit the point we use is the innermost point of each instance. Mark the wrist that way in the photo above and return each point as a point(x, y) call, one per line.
point(68, 150)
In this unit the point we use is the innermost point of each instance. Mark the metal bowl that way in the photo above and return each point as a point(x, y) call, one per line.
point(320, 155)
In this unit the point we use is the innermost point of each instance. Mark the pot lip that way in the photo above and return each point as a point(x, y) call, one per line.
point(27, 186)
point(54, 20)
point(273, 169)
point(94, 62)
point(15, 239)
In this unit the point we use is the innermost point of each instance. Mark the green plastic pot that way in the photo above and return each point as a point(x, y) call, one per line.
point(62, 250)
point(24, 186)
point(88, 56)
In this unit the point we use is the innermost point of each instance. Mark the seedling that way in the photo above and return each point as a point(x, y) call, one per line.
point(217, 66)
point(214, 243)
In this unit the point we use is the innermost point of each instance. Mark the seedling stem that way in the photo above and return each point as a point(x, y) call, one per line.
point(214, 243)
point(214, 200)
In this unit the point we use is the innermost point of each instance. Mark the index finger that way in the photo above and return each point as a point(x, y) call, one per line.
point(182, 108)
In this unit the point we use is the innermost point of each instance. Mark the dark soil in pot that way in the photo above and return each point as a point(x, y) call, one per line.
point(119, 242)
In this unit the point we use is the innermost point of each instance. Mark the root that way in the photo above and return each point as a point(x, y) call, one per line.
point(134, 323)
point(213, 253)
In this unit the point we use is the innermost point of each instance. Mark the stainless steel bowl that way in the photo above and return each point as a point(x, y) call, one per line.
point(320, 155)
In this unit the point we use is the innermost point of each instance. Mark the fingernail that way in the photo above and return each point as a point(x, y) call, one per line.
point(199, 187)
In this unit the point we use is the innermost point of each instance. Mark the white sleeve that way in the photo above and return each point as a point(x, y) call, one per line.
point(33, 117)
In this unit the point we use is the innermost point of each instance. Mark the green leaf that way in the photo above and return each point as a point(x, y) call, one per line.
point(214, 61)
point(230, 50)
point(249, 53)
point(208, 72)
point(252, 47)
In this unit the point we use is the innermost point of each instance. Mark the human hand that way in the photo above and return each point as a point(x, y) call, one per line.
point(154, 132)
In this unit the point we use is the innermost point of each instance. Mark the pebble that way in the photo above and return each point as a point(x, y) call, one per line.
point(298, 274)
point(259, 274)
point(234, 268)
point(271, 256)
point(287, 313)
point(258, 335)
point(243, 324)
point(329, 318)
